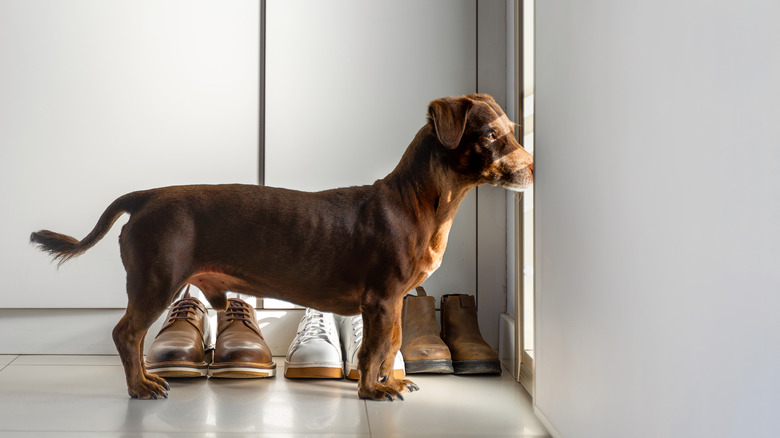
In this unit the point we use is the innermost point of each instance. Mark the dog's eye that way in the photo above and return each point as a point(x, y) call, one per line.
point(492, 136)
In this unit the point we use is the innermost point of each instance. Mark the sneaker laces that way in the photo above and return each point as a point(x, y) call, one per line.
point(357, 328)
point(314, 327)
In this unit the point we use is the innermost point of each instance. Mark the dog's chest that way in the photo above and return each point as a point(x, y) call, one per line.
point(435, 251)
point(433, 266)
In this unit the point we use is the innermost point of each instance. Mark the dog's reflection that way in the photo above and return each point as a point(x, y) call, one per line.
point(250, 405)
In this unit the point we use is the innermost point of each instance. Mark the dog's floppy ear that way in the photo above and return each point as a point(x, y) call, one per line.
point(449, 119)
point(482, 97)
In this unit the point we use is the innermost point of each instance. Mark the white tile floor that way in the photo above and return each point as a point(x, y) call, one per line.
point(82, 396)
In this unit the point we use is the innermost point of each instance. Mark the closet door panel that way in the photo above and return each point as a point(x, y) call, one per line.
point(347, 88)
point(104, 97)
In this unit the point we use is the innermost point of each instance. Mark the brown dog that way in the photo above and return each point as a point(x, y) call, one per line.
point(349, 251)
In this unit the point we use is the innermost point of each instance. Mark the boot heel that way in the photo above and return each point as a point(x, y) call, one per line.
point(488, 366)
point(460, 331)
point(434, 366)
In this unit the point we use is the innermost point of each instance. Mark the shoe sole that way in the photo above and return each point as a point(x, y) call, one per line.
point(480, 366)
point(292, 372)
point(178, 369)
point(434, 366)
point(355, 374)
point(242, 371)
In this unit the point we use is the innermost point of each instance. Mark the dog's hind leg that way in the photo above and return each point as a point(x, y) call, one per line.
point(147, 300)
point(128, 338)
point(157, 256)
point(153, 377)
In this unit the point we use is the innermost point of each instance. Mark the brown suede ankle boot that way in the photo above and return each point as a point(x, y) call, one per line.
point(460, 331)
point(422, 348)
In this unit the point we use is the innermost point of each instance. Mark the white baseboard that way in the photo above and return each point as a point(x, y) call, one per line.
point(547, 425)
point(506, 342)
point(88, 331)
point(527, 372)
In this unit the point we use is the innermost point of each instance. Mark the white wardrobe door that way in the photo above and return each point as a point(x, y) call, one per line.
point(103, 97)
point(348, 84)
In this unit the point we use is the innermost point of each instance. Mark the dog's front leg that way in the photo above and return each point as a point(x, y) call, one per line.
point(380, 315)
point(386, 370)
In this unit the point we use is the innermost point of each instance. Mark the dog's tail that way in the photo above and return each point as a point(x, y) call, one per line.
point(64, 248)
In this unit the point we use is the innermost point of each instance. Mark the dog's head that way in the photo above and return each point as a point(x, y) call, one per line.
point(477, 139)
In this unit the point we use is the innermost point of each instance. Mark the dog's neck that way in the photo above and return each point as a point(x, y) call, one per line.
point(424, 183)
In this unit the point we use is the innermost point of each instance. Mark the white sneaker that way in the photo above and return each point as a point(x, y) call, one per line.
point(315, 352)
point(351, 335)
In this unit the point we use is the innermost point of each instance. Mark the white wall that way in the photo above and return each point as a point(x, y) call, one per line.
point(102, 97)
point(658, 202)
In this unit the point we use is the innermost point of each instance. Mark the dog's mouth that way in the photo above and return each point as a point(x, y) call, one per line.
point(517, 182)
point(512, 187)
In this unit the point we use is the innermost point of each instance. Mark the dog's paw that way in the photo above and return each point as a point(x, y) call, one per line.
point(385, 394)
point(147, 390)
point(400, 385)
point(380, 392)
point(409, 385)
point(158, 380)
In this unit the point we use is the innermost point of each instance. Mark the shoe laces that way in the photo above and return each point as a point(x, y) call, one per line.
point(184, 309)
point(314, 327)
point(357, 328)
point(237, 310)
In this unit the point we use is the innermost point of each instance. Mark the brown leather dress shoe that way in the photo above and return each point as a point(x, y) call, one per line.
point(422, 348)
point(241, 351)
point(179, 350)
point(460, 331)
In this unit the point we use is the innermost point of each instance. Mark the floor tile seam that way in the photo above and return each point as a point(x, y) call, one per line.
point(62, 365)
point(368, 418)
point(125, 432)
point(64, 355)
point(143, 432)
point(9, 363)
point(464, 435)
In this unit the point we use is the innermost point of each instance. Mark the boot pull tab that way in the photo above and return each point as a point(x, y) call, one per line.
point(421, 291)
point(467, 301)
